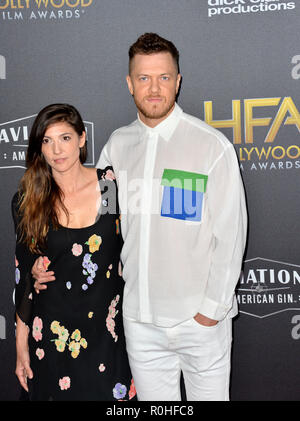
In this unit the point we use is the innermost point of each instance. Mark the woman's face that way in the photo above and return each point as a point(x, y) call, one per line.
point(60, 146)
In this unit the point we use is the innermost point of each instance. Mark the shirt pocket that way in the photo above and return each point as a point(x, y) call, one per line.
point(183, 195)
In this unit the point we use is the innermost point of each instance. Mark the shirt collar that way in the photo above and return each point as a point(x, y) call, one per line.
point(167, 127)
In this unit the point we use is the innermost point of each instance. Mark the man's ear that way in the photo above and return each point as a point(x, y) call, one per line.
point(129, 84)
point(178, 83)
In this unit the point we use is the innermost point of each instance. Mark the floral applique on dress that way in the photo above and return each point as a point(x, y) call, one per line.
point(112, 312)
point(117, 226)
point(77, 249)
point(40, 353)
point(46, 262)
point(108, 271)
point(65, 383)
point(94, 243)
point(37, 327)
point(132, 390)
point(64, 339)
point(89, 270)
point(102, 368)
point(120, 391)
point(108, 175)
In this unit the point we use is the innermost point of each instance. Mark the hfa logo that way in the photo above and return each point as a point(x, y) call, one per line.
point(14, 137)
point(267, 287)
point(2, 67)
point(259, 139)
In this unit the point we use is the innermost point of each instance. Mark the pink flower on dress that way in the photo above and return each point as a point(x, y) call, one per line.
point(132, 391)
point(101, 368)
point(37, 327)
point(110, 324)
point(77, 249)
point(64, 383)
point(109, 175)
point(16, 262)
point(40, 353)
point(112, 312)
point(46, 262)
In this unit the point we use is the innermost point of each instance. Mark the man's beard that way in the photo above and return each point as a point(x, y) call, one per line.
point(154, 112)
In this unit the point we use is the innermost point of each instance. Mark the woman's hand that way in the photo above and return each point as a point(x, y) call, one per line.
point(23, 370)
point(41, 275)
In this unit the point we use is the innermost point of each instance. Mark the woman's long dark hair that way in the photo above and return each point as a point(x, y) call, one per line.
point(40, 196)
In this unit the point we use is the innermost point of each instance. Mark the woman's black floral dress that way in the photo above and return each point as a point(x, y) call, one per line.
point(76, 339)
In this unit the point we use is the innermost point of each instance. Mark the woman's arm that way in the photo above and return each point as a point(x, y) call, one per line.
point(23, 370)
point(23, 289)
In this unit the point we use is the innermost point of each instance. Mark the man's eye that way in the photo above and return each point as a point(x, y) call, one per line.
point(165, 77)
point(143, 78)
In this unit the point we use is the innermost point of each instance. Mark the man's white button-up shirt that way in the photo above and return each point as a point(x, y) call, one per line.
point(183, 219)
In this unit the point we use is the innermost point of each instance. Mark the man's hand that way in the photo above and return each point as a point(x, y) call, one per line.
point(205, 321)
point(41, 275)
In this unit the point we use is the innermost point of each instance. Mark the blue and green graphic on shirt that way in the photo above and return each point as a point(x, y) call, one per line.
point(183, 194)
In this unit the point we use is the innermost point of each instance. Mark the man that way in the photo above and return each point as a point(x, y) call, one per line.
point(184, 229)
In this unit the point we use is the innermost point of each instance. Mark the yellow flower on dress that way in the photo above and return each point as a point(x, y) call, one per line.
point(60, 345)
point(74, 347)
point(83, 343)
point(65, 339)
point(91, 314)
point(74, 354)
point(117, 226)
point(55, 327)
point(94, 243)
point(76, 335)
point(63, 334)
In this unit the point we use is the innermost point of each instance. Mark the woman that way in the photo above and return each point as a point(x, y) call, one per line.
point(70, 340)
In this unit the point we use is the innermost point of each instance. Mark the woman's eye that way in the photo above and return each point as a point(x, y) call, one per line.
point(45, 140)
point(67, 138)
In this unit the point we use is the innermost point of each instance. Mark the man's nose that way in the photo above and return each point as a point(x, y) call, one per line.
point(154, 86)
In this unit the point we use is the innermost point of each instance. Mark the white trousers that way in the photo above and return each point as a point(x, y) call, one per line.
point(158, 355)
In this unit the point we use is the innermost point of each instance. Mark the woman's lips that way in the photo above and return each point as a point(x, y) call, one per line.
point(59, 160)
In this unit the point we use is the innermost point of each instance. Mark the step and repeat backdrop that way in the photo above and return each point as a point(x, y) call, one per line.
point(240, 61)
